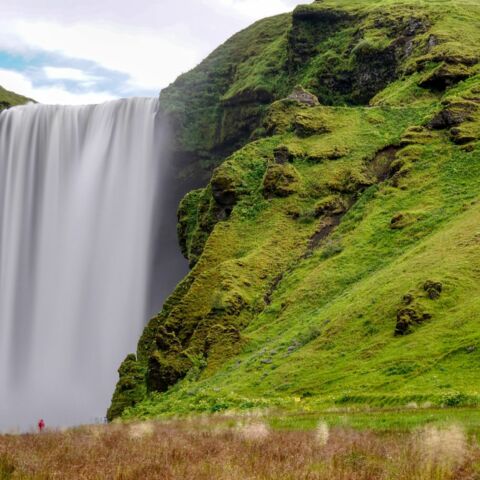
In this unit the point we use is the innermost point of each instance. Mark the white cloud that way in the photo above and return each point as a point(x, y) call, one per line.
point(255, 9)
point(151, 59)
point(64, 73)
point(51, 94)
point(138, 51)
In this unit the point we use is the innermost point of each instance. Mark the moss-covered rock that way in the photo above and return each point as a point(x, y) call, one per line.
point(224, 187)
point(197, 215)
point(130, 388)
point(280, 181)
point(306, 125)
point(215, 108)
point(433, 289)
point(416, 135)
point(167, 341)
point(331, 205)
point(351, 181)
point(222, 342)
point(408, 319)
point(454, 114)
point(312, 25)
point(445, 75)
point(165, 370)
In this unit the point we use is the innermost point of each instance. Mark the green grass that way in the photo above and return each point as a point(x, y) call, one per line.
point(10, 99)
point(380, 420)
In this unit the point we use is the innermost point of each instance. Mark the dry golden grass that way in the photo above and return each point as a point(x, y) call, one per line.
point(228, 448)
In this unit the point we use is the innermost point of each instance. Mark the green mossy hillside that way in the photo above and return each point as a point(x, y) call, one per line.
point(10, 99)
point(334, 256)
point(345, 52)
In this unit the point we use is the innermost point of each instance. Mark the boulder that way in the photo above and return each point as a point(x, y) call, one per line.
point(300, 95)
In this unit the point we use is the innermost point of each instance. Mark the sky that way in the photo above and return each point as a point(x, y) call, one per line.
point(91, 51)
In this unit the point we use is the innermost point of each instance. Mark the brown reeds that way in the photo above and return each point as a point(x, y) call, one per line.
point(243, 449)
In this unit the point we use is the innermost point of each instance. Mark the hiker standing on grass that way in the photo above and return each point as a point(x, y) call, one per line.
point(41, 425)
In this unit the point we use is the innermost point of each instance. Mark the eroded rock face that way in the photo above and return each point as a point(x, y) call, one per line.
point(461, 118)
point(221, 338)
point(452, 115)
point(412, 313)
point(351, 182)
point(375, 68)
point(310, 26)
point(167, 340)
point(445, 76)
point(165, 370)
point(128, 390)
point(198, 204)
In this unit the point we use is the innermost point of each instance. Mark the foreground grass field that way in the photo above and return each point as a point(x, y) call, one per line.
point(409, 444)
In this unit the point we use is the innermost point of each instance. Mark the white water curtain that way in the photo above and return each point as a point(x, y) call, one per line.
point(77, 194)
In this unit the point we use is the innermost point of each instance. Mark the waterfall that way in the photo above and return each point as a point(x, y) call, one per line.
point(78, 193)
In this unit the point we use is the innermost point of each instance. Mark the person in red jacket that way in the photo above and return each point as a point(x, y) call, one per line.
point(41, 425)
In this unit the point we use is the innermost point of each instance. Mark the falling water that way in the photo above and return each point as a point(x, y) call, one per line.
point(78, 186)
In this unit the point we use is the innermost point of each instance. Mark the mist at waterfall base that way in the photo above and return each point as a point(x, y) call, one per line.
point(87, 252)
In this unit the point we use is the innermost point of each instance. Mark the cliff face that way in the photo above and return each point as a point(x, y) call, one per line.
point(334, 252)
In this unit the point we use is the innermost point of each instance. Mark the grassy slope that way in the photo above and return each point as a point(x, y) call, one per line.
point(10, 99)
point(270, 316)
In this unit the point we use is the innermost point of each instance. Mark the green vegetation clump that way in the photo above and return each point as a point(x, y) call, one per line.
point(334, 253)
